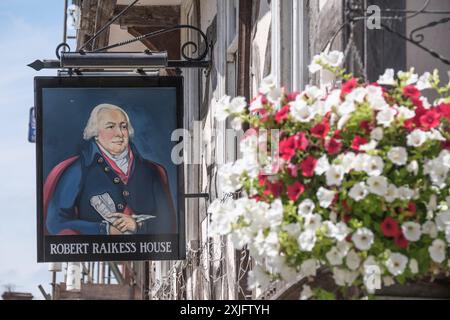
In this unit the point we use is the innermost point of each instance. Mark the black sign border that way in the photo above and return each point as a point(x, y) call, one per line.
point(105, 82)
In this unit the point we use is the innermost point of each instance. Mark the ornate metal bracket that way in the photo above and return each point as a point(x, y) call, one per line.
point(189, 62)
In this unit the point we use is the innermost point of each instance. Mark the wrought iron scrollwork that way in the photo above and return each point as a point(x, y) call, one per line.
point(167, 30)
point(355, 13)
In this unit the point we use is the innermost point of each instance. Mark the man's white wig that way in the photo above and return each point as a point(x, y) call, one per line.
point(91, 129)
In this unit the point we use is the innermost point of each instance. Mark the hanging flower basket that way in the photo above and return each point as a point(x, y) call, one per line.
point(357, 184)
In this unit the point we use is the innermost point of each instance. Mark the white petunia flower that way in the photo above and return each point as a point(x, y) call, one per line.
point(334, 175)
point(413, 167)
point(377, 134)
point(306, 207)
point(353, 260)
point(443, 220)
point(424, 81)
point(334, 58)
point(378, 185)
point(357, 95)
point(274, 96)
point(313, 222)
point(341, 231)
point(411, 230)
point(405, 193)
point(359, 191)
point(374, 166)
point(413, 266)
point(391, 193)
point(267, 84)
point(342, 121)
point(322, 165)
point(363, 239)
point(237, 105)
point(386, 117)
point(447, 235)
point(307, 240)
point(334, 257)
point(387, 79)
point(416, 138)
point(346, 108)
point(325, 197)
point(410, 77)
point(376, 99)
point(437, 251)
point(275, 213)
point(347, 161)
point(306, 292)
point(398, 156)
point(329, 229)
point(313, 92)
point(405, 113)
point(339, 276)
point(396, 263)
point(430, 229)
point(300, 110)
point(309, 267)
point(369, 146)
point(315, 65)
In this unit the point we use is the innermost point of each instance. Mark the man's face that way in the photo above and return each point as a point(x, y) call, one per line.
point(113, 133)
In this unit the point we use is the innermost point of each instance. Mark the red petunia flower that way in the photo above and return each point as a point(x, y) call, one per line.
point(308, 165)
point(357, 142)
point(430, 119)
point(446, 144)
point(401, 241)
point(333, 146)
point(444, 110)
point(295, 190)
point(411, 92)
point(282, 114)
point(289, 146)
point(301, 142)
point(367, 126)
point(337, 134)
point(412, 207)
point(349, 86)
point(320, 130)
point(292, 170)
point(292, 96)
point(390, 228)
point(274, 189)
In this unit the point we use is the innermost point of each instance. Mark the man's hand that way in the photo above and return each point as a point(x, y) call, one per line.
point(123, 223)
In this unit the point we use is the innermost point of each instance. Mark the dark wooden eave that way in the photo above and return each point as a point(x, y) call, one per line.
point(148, 16)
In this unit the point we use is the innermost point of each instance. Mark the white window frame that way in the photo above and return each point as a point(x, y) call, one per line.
point(289, 43)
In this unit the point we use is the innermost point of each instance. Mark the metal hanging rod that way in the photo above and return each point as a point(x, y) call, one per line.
point(99, 58)
point(98, 33)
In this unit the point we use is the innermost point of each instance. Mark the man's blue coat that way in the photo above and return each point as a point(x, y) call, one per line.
point(146, 192)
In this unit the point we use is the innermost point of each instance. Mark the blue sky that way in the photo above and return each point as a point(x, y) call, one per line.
point(29, 30)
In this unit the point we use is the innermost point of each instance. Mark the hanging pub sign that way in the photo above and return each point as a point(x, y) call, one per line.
point(107, 187)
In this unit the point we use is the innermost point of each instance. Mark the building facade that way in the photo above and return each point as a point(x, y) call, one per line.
point(248, 41)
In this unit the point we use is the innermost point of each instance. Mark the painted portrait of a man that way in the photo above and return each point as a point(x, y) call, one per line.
point(109, 188)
